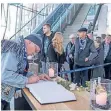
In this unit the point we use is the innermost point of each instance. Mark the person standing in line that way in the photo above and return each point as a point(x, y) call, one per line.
point(46, 41)
point(98, 40)
point(85, 52)
point(107, 56)
point(98, 60)
point(56, 51)
point(90, 36)
point(70, 54)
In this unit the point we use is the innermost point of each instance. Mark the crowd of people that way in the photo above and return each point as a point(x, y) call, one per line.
point(80, 52)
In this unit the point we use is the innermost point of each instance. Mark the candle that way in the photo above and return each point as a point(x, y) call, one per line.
point(51, 72)
point(101, 99)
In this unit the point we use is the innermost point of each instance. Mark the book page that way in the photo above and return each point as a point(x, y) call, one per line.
point(50, 92)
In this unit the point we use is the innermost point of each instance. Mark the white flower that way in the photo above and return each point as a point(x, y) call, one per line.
point(72, 86)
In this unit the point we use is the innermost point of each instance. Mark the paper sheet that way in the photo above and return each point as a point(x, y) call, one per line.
point(50, 92)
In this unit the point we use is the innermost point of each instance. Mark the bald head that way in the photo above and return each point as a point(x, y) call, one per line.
point(72, 38)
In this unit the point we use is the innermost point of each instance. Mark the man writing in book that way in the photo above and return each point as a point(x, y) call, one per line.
point(14, 70)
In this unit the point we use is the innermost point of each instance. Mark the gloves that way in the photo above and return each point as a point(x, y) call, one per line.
point(18, 93)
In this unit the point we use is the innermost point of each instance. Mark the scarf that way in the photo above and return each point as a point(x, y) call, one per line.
point(82, 44)
point(19, 49)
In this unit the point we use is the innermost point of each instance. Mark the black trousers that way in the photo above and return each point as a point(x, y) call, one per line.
point(107, 71)
point(71, 65)
point(81, 76)
point(5, 105)
point(21, 104)
point(89, 74)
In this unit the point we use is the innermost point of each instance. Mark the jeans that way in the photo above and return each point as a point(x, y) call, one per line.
point(81, 77)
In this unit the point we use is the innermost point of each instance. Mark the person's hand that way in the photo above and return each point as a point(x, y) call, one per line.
point(33, 79)
point(44, 77)
point(86, 59)
point(70, 56)
point(18, 94)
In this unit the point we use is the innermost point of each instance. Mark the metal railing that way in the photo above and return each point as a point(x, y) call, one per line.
point(83, 69)
point(29, 21)
point(66, 17)
point(52, 18)
point(91, 25)
point(82, 25)
point(96, 16)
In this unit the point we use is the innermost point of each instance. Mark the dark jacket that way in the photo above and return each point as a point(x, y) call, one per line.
point(99, 59)
point(53, 56)
point(43, 57)
point(108, 57)
point(88, 52)
point(70, 48)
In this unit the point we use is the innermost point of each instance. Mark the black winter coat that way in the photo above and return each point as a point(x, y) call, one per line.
point(54, 56)
point(108, 57)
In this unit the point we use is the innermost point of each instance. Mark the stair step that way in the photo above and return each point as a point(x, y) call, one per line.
point(76, 24)
point(73, 28)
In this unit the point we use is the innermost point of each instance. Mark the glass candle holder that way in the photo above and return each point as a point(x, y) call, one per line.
point(33, 67)
point(52, 69)
point(100, 94)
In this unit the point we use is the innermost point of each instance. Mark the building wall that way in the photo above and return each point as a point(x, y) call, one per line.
point(102, 20)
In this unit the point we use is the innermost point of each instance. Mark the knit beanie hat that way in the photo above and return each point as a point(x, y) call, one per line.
point(35, 38)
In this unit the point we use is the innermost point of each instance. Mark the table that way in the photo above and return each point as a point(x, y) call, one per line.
point(82, 102)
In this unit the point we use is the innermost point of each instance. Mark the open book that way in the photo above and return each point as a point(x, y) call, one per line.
point(50, 92)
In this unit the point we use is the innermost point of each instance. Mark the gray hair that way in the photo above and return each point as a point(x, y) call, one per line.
point(71, 36)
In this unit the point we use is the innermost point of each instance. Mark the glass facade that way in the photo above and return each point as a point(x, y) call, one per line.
point(15, 15)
